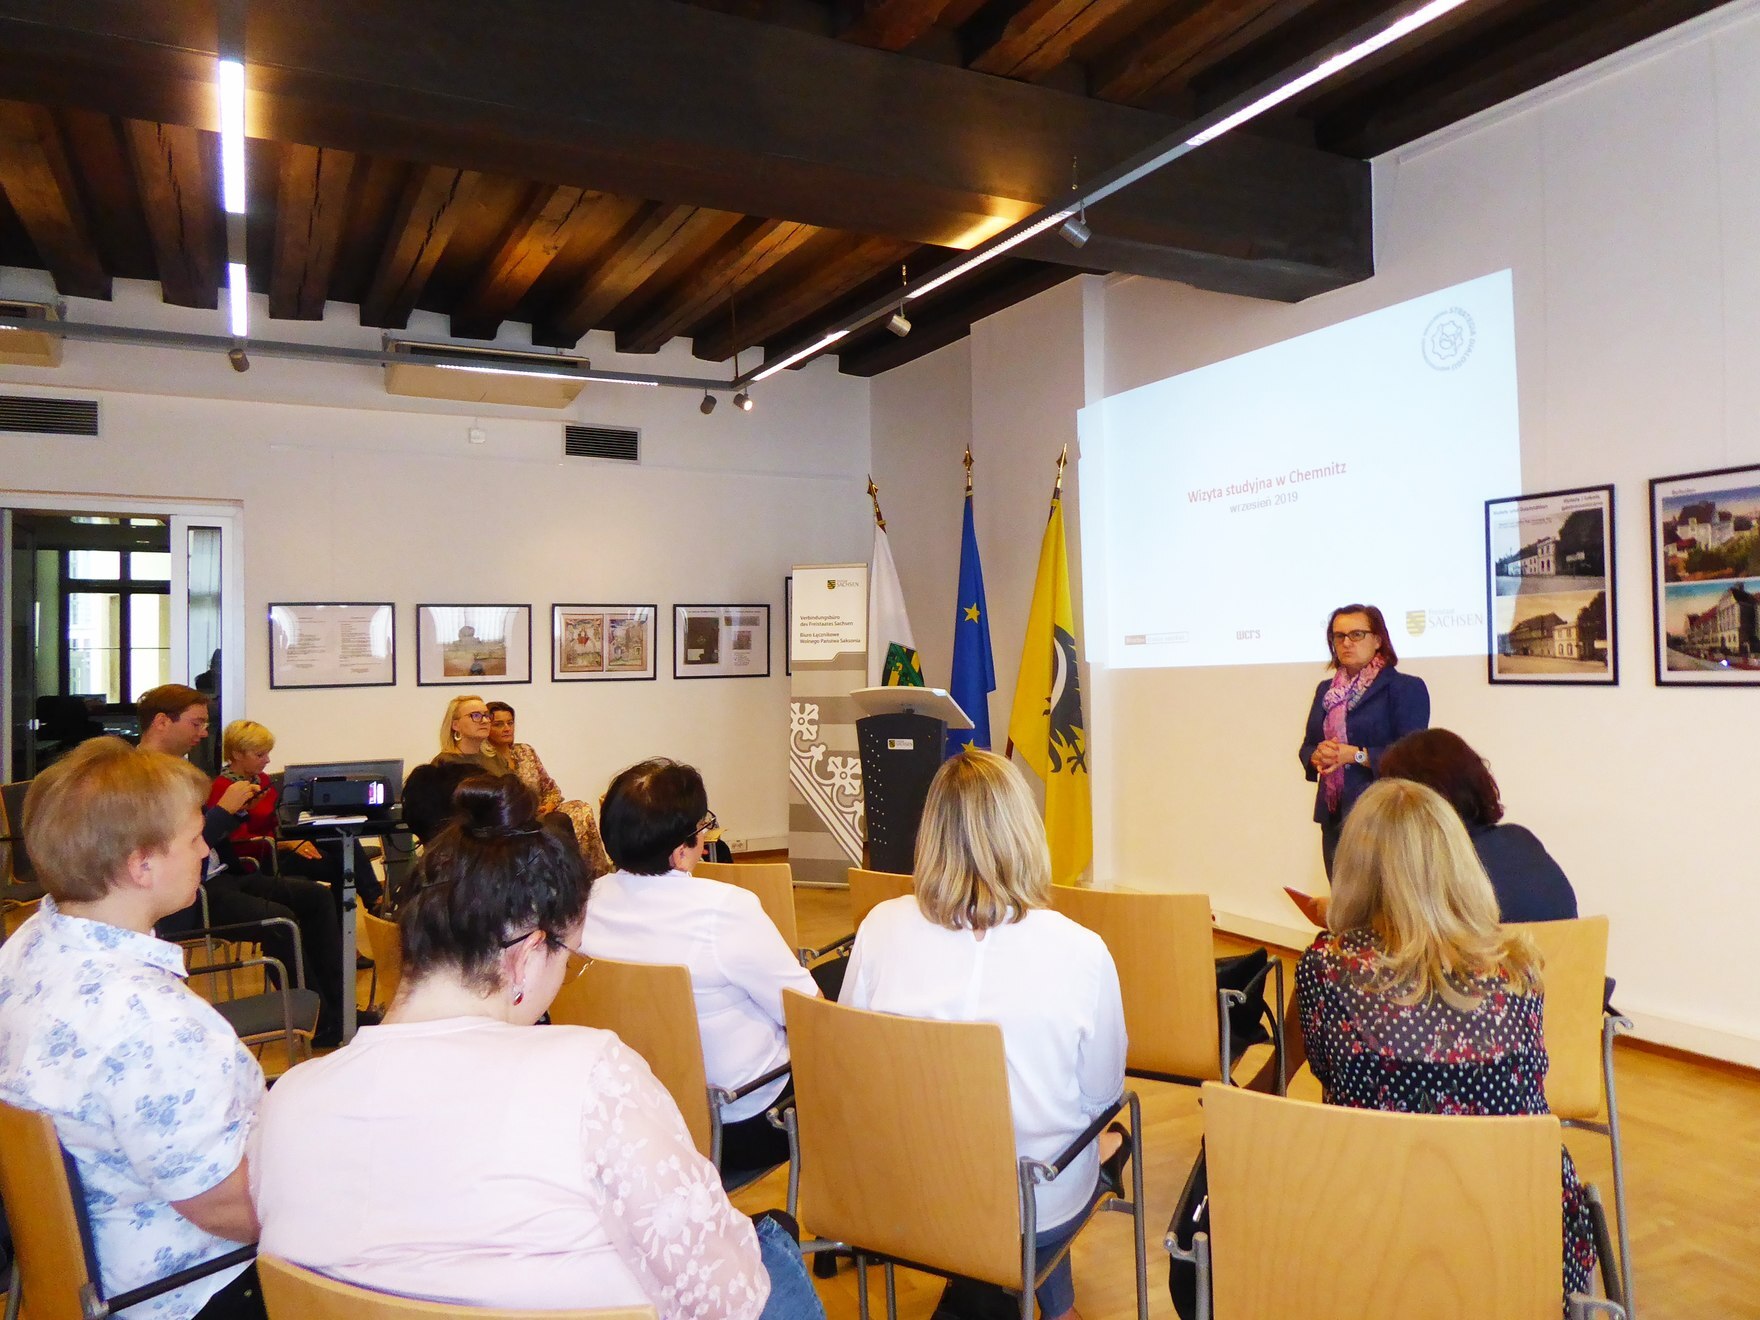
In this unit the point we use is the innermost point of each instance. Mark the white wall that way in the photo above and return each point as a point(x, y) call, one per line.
point(1622, 198)
point(348, 494)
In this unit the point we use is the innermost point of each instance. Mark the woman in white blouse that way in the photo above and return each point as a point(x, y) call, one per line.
point(484, 1160)
point(977, 943)
point(652, 910)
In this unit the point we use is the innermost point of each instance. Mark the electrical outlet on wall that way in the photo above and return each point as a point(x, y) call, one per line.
point(734, 845)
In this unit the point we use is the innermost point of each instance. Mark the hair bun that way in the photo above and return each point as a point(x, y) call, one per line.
point(495, 807)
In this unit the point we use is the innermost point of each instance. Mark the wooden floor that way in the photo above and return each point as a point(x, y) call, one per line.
point(1692, 1141)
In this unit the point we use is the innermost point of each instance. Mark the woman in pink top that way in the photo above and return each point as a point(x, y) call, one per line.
point(484, 1161)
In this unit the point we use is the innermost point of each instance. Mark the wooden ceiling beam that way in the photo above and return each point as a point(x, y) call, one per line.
point(40, 188)
point(753, 249)
point(1040, 36)
point(636, 102)
point(177, 169)
point(647, 245)
point(311, 208)
point(1187, 33)
point(840, 264)
point(549, 222)
point(433, 200)
point(889, 24)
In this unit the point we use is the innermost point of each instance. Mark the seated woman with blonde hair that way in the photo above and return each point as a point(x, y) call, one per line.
point(1414, 999)
point(978, 942)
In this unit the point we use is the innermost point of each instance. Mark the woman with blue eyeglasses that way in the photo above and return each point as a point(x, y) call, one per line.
point(487, 1161)
point(1363, 709)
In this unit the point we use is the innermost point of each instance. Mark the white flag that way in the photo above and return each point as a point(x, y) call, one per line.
point(887, 622)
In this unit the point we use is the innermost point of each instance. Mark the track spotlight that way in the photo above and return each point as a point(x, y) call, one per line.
point(898, 324)
point(742, 401)
point(238, 359)
point(707, 406)
point(1076, 231)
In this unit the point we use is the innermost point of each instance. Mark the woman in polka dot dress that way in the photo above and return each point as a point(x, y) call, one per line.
point(1414, 999)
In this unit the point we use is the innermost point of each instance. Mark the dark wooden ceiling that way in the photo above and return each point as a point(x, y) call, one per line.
point(737, 172)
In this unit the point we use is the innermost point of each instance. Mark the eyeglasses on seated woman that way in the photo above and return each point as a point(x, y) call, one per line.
point(489, 1161)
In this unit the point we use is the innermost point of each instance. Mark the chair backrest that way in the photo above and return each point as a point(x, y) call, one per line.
point(12, 826)
point(293, 1293)
point(1164, 948)
point(906, 1139)
point(385, 948)
point(1332, 1213)
point(650, 1008)
point(45, 1223)
point(772, 882)
point(869, 889)
point(1574, 974)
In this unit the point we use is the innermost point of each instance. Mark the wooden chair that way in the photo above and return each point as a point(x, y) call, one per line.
point(773, 883)
point(869, 889)
point(650, 1008)
point(385, 948)
point(888, 1165)
point(1164, 948)
point(54, 1266)
point(293, 1293)
point(1579, 1048)
point(1332, 1213)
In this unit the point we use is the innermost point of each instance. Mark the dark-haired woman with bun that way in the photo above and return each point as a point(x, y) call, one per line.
point(1530, 886)
point(460, 1152)
point(653, 910)
point(1364, 708)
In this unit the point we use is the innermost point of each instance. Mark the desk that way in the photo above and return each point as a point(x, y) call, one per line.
point(347, 829)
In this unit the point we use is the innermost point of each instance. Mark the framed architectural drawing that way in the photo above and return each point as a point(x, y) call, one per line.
point(1549, 575)
point(1705, 566)
point(466, 645)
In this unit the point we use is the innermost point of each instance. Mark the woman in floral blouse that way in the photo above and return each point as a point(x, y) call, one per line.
point(523, 759)
point(488, 1162)
point(1415, 999)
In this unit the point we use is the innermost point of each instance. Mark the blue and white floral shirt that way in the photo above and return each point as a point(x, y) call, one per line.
point(150, 1091)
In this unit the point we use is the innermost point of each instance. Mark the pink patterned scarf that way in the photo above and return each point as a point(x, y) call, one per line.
point(1341, 698)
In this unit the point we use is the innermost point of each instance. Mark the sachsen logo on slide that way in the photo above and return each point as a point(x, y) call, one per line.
point(1420, 621)
point(1448, 339)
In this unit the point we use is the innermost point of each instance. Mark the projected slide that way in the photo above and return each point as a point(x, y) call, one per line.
point(1227, 510)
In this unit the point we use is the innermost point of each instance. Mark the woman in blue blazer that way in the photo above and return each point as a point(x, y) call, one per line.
point(1363, 709)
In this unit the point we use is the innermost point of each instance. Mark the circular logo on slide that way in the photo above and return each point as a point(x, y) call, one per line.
point(1448, 339)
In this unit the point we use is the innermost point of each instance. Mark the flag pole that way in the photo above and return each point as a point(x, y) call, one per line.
point(968, 472)
point(1057, 490)
point(874, 495)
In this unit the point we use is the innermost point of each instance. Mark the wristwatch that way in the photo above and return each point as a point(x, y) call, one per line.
point(1362, 756)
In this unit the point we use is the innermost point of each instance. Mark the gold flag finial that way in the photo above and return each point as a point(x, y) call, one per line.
point(874, 494)
point(968, 470)
point(1062, 459)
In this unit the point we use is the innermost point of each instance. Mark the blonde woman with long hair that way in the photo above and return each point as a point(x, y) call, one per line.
point(1414, 999)
point(978, 942)
point(464, 735)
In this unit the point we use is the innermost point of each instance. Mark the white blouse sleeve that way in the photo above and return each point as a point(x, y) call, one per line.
point(1100, 1063)
point(754, 956)
point(661, 1203)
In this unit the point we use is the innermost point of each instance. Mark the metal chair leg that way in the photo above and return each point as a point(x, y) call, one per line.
point(891, 1293)
point(1610, 1027)
point(861, 1285)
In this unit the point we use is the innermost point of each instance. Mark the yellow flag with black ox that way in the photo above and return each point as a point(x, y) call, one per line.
point(1046, 725)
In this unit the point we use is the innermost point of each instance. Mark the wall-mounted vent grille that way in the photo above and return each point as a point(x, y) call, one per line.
point(615, 442)
point(19, 412)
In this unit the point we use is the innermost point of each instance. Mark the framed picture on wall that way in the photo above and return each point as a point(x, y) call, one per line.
point(788, 624)
point(600, 643)
point(325, 644)
point(473, 645)
point(721, 641)
point(1549, 576)
point(1705, 566)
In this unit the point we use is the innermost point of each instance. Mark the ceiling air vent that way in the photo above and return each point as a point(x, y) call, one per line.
point(19, 412)
point(615, 442)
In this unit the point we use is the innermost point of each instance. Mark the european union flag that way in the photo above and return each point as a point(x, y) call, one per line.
point(974, 668)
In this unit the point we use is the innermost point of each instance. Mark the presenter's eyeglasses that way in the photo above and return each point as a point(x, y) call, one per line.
point(707, 823)
point(1354, 635)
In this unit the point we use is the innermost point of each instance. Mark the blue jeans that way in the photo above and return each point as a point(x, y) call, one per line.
point(792, 1296)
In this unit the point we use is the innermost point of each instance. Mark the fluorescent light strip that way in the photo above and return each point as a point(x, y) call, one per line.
point(1343, 60)
point(621, 380)
point(230, 77)
point(800, 354)
point(238, 299)
point(503, 371)
point(991, 253)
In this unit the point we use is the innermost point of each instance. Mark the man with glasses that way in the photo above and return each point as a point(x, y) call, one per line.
point(174, 720)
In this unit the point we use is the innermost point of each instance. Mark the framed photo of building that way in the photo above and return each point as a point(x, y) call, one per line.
point(473, 645)
point(1705, 562)
point(1549, 576)
point(601, 643)
point(721, 641)
point(325, 644)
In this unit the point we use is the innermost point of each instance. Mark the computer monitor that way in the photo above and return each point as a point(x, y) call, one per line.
point(295, 778)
